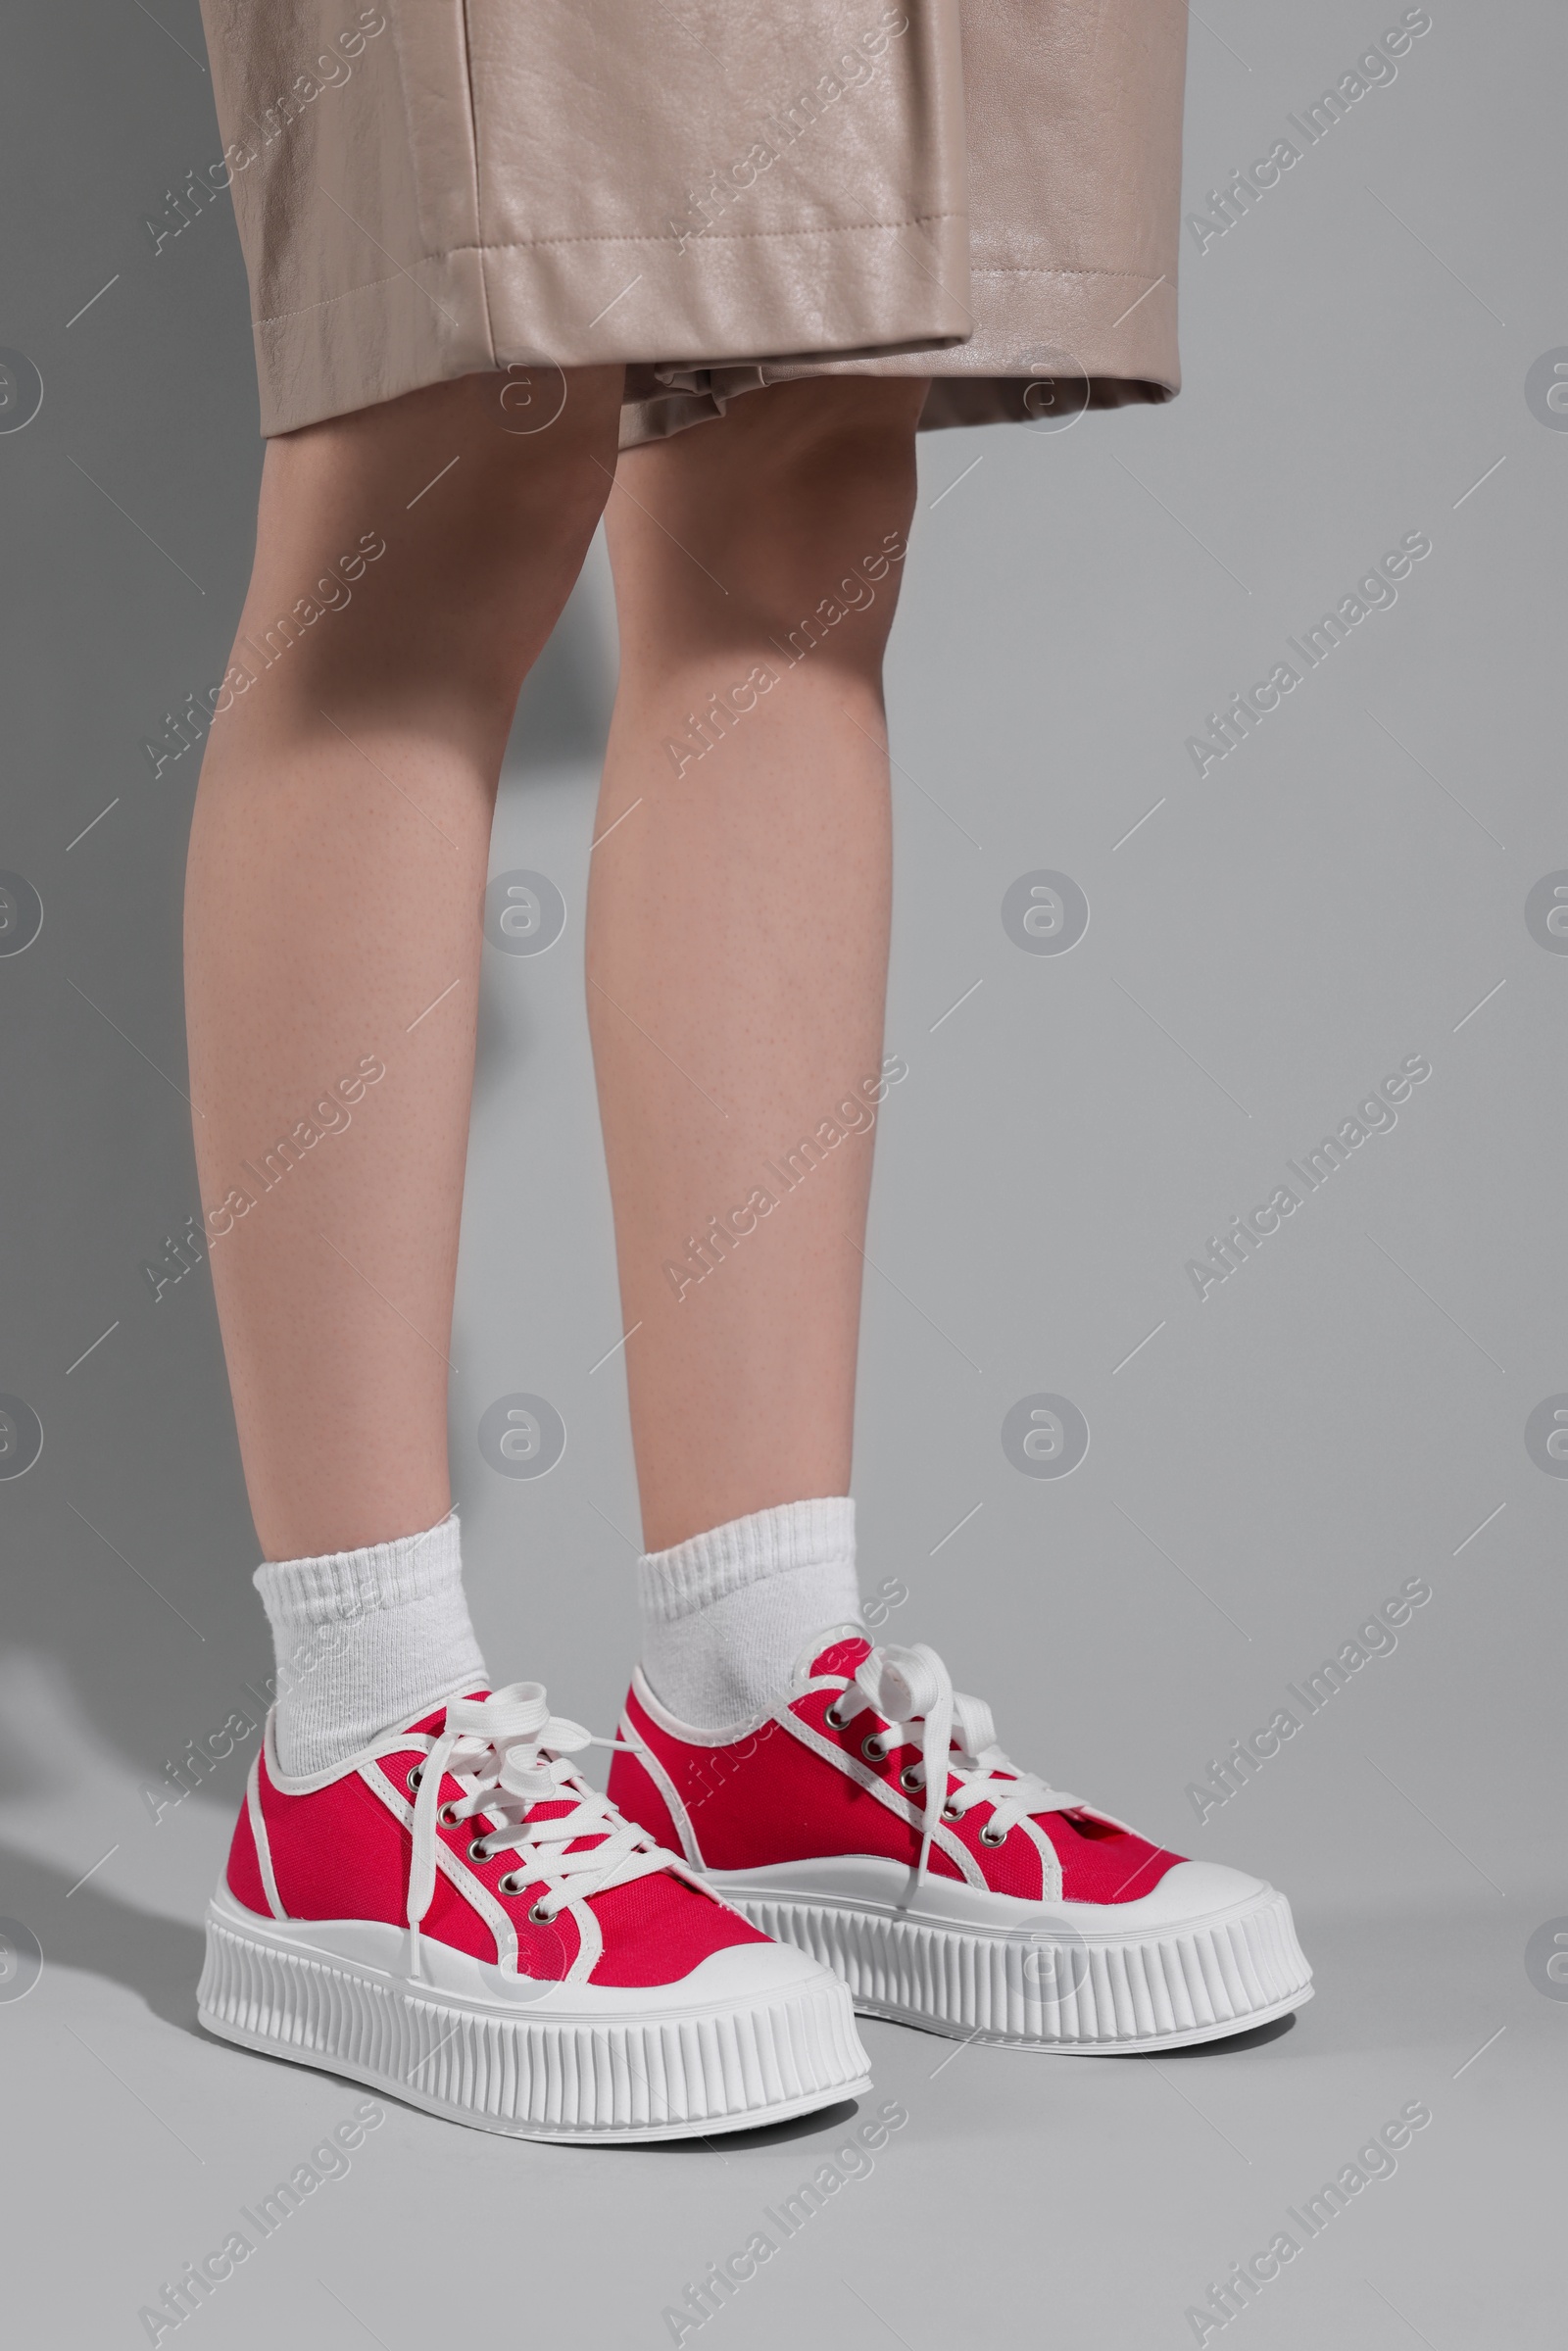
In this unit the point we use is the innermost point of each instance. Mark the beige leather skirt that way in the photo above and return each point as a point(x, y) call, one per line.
point(717, 193)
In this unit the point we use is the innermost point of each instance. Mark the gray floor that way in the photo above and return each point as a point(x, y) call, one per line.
point(1021, 2199)
point(1368, 354)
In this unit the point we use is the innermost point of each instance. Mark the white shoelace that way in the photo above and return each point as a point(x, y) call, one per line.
point(509, 1753)
point(913, 1692)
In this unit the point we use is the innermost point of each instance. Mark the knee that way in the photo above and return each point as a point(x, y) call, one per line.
point(827, 534)
point(837, 459)
point(476, 473)
point(535, 451)
point(798, 502)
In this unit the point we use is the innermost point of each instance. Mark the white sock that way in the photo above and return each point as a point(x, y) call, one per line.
point(725, 1614)
point(364, 1638)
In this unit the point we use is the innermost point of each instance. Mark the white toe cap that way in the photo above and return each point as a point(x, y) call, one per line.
point(1190, 1892)
point(764, 1971)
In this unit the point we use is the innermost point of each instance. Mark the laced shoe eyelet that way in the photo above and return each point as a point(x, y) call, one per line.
point(479, 1850)
point(950, 1813)
point(833, 1719)
point(539, 1916)
point(448, 1815)
point(912, 1779)
point(511, 1884)
point(415, 1776)
point(874, 1748)
point(990, 1835)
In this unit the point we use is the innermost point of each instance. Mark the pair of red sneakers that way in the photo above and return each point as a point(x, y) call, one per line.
point(456, 1916)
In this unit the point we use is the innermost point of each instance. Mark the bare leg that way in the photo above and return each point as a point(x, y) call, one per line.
point(738, 930)
point(337, 865)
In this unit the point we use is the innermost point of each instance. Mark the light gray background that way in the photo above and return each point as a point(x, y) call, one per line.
point(1339, 892)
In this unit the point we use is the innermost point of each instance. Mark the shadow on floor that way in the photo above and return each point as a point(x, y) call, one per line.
point(825, 2123)
point(85, 1927)
point(1232, 2045)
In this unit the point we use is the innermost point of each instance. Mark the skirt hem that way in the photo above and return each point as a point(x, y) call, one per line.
point(1112, 348)
point(895, 289)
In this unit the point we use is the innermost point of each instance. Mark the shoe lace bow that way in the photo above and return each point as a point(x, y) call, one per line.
point(913, 1690)
point(509, 1753)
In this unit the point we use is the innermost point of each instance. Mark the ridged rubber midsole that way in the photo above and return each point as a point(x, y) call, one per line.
point(1175, 1984)
point(559, 2079)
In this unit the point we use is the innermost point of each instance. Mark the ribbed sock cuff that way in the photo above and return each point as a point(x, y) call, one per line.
point(366, 1639)
point(709, 1567)
point(725, 1614)
point(299, 1593)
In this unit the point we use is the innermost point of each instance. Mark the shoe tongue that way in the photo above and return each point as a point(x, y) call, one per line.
point(837, 1649)
point(431, 1725)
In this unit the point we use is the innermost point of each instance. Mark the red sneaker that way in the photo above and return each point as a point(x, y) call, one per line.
point(458, 1918)
point(976, 1902)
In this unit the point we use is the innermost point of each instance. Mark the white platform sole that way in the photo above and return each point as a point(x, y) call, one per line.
point(1074, 1992)
point(667, 2068)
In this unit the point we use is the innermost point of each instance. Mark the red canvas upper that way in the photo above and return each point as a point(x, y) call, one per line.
point(771, 1797)
point(343, 1851)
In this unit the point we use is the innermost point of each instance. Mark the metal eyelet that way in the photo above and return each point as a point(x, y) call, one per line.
point(949, 1813)
point(448, 1815)
point(415, 1776)
point(539, 1916)
point(874, 1748)
point(479, 1850)
point(912, 1777)
point(511, 1884)
point(834, 1720)
point(990, 1835)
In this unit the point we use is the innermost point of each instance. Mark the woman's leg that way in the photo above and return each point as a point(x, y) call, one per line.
point(738, 932)
point(336, 874)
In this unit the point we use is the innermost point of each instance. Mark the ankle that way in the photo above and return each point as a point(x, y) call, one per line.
point(364, 1638)
point(725, 1613)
